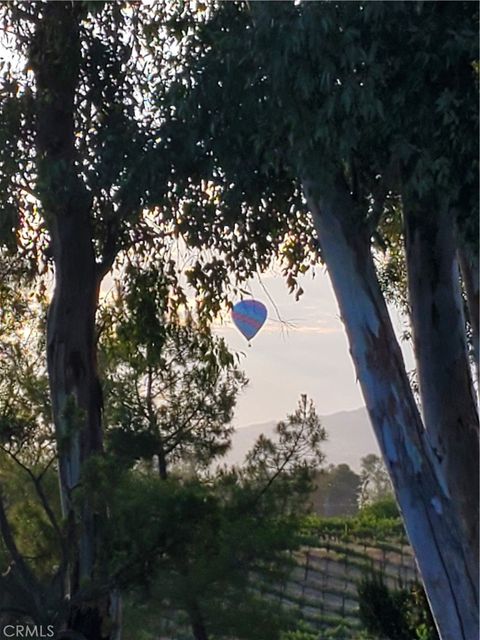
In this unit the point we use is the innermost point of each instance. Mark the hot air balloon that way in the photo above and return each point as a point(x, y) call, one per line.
point(249, 317)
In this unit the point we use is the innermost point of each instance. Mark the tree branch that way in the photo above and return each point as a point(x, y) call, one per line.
point(37, 483)
point(19, 567)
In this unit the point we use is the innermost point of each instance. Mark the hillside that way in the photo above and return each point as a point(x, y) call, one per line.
point(320, 588)
point(350, 437)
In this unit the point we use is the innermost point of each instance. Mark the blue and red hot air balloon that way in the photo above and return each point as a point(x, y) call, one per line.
point(249, 317)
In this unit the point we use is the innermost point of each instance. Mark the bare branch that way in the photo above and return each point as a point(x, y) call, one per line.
point(37, 483)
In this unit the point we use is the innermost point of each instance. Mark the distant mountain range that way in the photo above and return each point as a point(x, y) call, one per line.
point(350, 437)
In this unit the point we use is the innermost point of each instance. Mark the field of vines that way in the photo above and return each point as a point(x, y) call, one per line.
point(321, 588)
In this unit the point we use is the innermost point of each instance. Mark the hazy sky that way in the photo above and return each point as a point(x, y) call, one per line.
point(302, 349)
point(310, 355)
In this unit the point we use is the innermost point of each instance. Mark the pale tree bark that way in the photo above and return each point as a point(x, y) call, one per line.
point(470, 269)
point(429, 515)
point(447, 395)
point(71, 350)
point(76, 395)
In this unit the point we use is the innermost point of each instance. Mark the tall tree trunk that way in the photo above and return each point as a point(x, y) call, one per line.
point(197, 624)
point(71, 351)
point(162, 465)
point(429, 515)
point(75, 391)
point(446, 389)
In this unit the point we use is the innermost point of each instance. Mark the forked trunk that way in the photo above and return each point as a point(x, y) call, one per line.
point(55, 57)
point(430, 518)
point(74, 385)
point(446, 388)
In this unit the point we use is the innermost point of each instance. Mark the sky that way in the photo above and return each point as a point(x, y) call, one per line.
point(305, 351)
point(302, 348)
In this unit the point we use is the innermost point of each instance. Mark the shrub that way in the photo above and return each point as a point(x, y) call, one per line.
point(401, 614)
point(383, 509)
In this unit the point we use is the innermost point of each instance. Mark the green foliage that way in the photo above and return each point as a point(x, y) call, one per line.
point(339, 631)
point(337, 490)
point(25, 412)
point(290, 459)
point(301, 633)
point(33, 532)
point(170, 384)
point(381, 610)
point(269, 94)
point(376, 484)
point(207, 549)
point(155, 129)
point(115, 129)
point(383, 509)
point(380, 522)
point(396, 615)
point(389, 243)
point(196, 545)
point(27, 447)
point(197, 126)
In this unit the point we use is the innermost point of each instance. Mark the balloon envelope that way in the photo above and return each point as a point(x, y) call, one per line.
point(249, 317)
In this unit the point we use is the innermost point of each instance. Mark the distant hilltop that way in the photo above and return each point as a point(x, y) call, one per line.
point(350, 437)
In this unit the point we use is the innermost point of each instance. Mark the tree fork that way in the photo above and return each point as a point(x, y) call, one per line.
point(427, 509)
point(71, 350)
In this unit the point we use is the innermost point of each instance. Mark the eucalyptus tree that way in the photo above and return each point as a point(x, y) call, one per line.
point(76, 131)
point(331, 119)
point(85, 152)
point(276, 110)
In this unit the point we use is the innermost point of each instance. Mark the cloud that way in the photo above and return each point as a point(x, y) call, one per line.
point(275, 326)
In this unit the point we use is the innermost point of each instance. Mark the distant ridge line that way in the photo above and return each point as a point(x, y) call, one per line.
point(350, 438)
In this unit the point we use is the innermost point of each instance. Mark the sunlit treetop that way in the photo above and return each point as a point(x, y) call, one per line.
point(194, 125)
point(272, 94)
point(115, 167)
point(131, 163)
